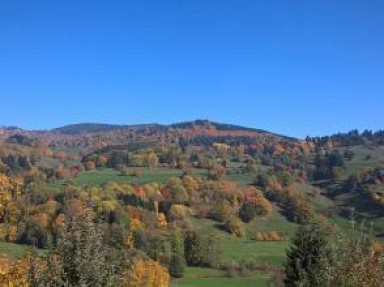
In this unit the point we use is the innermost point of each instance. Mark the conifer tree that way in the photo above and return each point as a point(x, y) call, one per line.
point(177, 264)
point(304, 256)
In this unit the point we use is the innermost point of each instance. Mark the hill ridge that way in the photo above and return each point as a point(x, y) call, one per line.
point(89, 127)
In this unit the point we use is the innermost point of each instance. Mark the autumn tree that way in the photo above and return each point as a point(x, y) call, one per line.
point(234, 226)
point(90, 165)
point(101, 161)
point(13, 273)
point(216, 172)
point(147, 273)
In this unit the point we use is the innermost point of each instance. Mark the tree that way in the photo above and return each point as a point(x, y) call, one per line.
point(247, 212)
point(353, 261)
point(147, 273)
point(82, 254)
point(200, 250)
point(216, 172)
point(262, 205)
point(152, 159)
point(90, 165)
point(177, 264)
point(304, 256)
point(13, 273)
point(234, 226)
point(62, 173)
point(101, 161)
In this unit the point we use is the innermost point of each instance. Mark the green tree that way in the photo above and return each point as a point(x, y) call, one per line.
point(177, 263)
point(305, 255)
point(200, 250)
point(247, 212)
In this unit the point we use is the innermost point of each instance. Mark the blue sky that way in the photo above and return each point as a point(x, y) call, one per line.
point(293, 67)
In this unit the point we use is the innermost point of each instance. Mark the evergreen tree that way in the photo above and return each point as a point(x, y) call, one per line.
point(191, 249)
point(177, 264)
point(304, 256)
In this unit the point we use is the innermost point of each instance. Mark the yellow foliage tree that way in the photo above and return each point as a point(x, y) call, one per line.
point(147, 273)
point(13, 274)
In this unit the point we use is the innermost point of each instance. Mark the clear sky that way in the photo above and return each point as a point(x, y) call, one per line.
point(307, 67)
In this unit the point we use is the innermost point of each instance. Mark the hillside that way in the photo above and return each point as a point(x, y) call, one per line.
point(85, 128)
point(198, 126)
point(236, 194)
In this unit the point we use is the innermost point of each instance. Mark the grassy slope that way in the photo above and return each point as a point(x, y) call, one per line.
point(366, 213)
point(360, 161)
point(12, 250)
point(243, 249)
point(15, 251)
point(101, 176)
point(200, 277)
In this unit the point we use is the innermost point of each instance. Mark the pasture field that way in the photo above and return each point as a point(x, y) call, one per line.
point(244, 249)
point(199, 277)
point(104, 175)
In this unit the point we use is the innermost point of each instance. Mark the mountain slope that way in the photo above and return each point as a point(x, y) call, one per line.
point(197, 127)
point(83, 128)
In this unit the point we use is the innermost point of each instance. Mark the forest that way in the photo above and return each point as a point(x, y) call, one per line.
point(196, 203)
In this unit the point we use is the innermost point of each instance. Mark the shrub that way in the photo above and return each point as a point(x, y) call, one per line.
point(234, 226)
point(200, 250)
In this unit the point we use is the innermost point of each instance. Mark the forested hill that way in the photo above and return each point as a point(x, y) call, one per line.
point(84, 128)
point(186, 201)
point(197, 126)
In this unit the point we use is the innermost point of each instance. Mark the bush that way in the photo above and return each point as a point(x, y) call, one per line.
point(247, 212)
point(221, 211)
point(35, 235)
point(200, 250)
point(267, 236)
point(234, 226)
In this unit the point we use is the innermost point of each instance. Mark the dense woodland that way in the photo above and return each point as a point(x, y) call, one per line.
point(320, 199)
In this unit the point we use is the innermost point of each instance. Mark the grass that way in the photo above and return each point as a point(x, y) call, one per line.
point(101, 176)
point(274, 222)
point(15, 251)
point(12, 250)
point(242, 179)
point(255, 280)
point(245, 179)
point(364, 157)
point(259, 252)
point(202, 272)
point(200, 277)
point(242, 249)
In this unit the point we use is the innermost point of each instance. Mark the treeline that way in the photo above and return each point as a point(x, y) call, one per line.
point(218, 126)
point(351, 138)
point(203, 140)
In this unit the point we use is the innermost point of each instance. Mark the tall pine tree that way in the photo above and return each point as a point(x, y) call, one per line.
point(304, 256)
